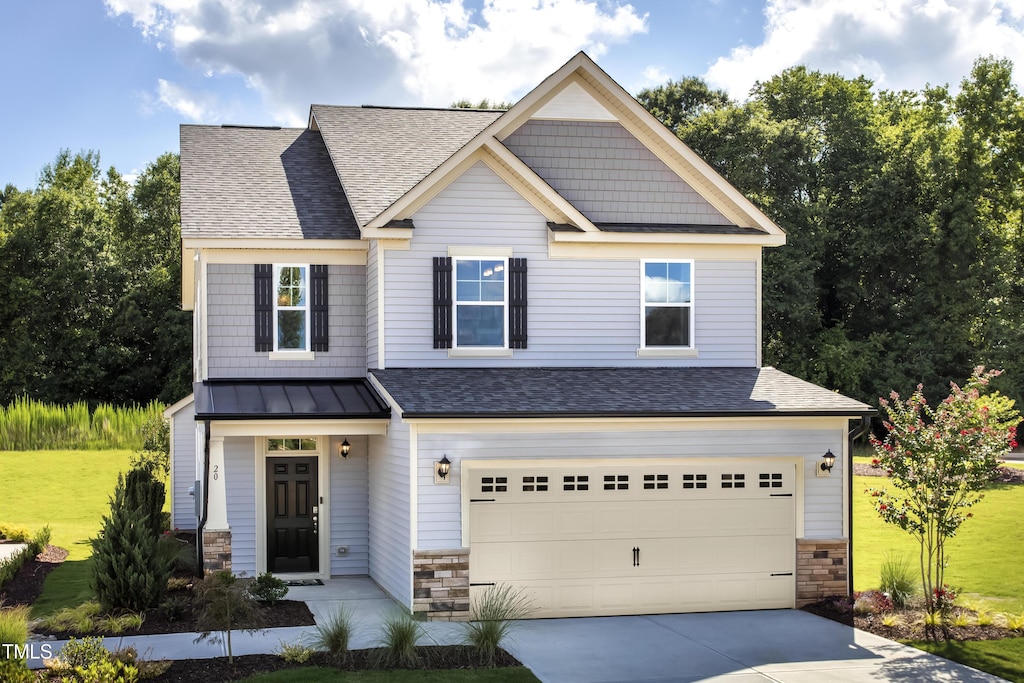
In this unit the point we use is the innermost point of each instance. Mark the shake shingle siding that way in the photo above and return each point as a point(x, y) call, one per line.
point(260, 183)
point(230, 326)
point(608, 174)
point(581, 312)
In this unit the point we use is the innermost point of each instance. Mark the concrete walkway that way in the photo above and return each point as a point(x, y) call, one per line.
point(783, 646)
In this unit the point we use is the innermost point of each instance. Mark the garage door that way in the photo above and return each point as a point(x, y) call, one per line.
point(621, 538)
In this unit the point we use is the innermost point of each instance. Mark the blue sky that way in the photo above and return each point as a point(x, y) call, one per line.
point(119, 76)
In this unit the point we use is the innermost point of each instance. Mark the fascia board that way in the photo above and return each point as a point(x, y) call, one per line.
point(765, 240)
point(188, 281)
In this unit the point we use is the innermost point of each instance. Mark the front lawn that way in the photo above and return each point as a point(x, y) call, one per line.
point(67, 490)
point(1003, 658)
point(984, 556)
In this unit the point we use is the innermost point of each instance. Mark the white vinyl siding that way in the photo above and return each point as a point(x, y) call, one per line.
point(350, 522)
point(439, 511)
point(581, 312)
point(240, 485)
point(390, 508)
point(230, 326)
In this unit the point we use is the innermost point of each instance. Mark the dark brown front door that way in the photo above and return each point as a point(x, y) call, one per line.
point(292, 515)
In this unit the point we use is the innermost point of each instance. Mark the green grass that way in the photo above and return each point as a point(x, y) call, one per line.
point(68, 490)
point(1004, 658)
point(322, 675)
point(983, 557)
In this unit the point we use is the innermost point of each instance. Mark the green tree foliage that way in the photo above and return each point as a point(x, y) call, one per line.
point(224, 605)
point(938, 460)
point(904, 214)
point(91, 279)
point(127, 571)
point(145, 492)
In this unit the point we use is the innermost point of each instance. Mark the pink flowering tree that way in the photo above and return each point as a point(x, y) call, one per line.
point(938, 460)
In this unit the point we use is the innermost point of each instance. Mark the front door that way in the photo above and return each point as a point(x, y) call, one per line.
point(292, 515)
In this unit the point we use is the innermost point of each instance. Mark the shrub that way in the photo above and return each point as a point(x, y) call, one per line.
point(109, 671)
point(983, 618)
point(398, 642)
point(898, 579)
point(224, 605)
point(179, 555)
point(176, 607)
point(268, 589)
point(155, 454)
point(1014, 622)
point(296, 653)
point(871, 602)
point(145, 492)
point(491, 619)
point(334, 634)
point(82, 652)
point(891, 620)
point(127, 572)
point(17, 534)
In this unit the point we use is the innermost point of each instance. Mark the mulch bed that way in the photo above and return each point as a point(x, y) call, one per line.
point(911, 623)
point(27, 584)
point(218, 669)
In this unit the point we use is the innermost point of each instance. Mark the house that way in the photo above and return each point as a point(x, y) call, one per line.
point(453, 348)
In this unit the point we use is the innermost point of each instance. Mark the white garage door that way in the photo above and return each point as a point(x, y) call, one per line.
point(622, 538)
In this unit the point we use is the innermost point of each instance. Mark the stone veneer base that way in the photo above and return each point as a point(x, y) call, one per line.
point(440, 584)
point(216, 551)
point(821, 569)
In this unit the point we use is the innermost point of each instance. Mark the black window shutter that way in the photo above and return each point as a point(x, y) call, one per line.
point(318, 337)
point(264, 291)
point(517, 303)
point(442, 302)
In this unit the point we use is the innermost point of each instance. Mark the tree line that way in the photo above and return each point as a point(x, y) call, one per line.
point(90, 282)
point(904, 263)
point(905, 256)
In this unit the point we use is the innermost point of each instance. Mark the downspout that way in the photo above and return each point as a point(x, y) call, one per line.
point(863, 428)
point(206, 496)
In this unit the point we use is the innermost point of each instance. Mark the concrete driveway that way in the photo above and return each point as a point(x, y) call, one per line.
point(788, 646)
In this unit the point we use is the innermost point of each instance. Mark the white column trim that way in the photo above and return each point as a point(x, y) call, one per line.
point(217, 504)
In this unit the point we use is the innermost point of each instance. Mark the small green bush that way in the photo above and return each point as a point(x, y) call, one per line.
point(898, 579)
point(334, 634)
point(13, 631)
point(176, 607)
point(398, 642)
point(17, 534)
point(109, 671)
point(296, 653)
point(144, 491)
point(82, 652)
point(268, 589)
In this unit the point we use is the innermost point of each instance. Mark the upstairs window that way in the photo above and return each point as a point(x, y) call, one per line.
point(667, 307)
point(480, 300)
point(291, 308)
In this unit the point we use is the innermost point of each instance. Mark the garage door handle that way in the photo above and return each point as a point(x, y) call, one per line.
point(781, 495)
point(481, 584)
point(636, 557)
point(481, 500)
point(783, 574)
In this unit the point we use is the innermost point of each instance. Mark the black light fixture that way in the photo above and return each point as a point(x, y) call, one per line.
point(828, 461)
point(443, 467)
point(344, 448)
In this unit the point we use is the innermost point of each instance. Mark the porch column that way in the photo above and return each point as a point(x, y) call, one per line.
point(216, 533)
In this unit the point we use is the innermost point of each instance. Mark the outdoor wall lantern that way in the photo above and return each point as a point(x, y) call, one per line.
point(344, 448)
point(441, 469)
point(827, 461)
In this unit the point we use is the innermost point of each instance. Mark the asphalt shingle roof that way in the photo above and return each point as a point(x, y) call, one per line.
point(609, 392)
point(260, 183)
point(380, 153)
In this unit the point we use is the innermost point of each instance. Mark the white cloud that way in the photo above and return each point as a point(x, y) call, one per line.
point(654, 76)
point(202, 107)
point(900, 44)
point(420, 52)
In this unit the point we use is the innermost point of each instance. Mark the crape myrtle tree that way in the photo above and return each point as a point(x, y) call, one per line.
point(939, 459)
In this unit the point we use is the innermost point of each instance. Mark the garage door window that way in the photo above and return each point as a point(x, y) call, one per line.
point(733, 481)
point(655, 481)
point(535, 484)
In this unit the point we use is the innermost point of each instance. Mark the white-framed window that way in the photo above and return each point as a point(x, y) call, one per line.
point(291, 307)
point(292, 444)
point(666, 307)
point(481, 302)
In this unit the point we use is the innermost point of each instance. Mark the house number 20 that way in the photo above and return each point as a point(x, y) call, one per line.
point(216, 472)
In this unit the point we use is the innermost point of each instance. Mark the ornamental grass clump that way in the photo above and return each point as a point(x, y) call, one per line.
point(898, 579)
point(334, 634)
point(398, 642)
point(492, 617)
point(938, 460)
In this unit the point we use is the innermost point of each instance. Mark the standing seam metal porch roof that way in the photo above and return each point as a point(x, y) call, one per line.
point(609, 392)
point(248, 399)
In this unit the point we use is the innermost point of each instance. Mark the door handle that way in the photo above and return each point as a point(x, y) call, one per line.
point(636, 557)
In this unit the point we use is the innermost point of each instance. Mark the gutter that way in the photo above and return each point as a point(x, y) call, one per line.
point(863, 428)
point(206, 497)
